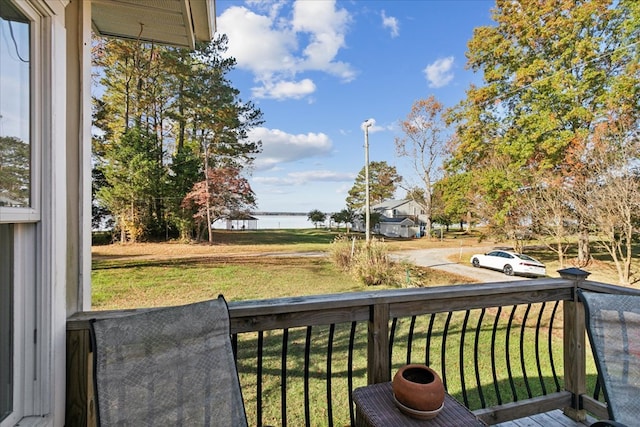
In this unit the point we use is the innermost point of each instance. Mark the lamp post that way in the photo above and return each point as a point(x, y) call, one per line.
point(367, 215)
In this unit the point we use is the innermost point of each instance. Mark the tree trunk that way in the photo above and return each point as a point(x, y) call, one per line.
point(560, 255)
point(427, 226)
point(206, 185)
point(584, 253)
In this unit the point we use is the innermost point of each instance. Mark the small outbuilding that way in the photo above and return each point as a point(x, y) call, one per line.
point(398, 227)
point(242, 222)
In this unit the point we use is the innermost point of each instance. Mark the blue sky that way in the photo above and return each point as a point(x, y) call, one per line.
point(318, 68)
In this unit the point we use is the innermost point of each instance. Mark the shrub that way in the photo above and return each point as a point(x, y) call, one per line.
point(101, 237)
point(341, 251)
point(368, 263)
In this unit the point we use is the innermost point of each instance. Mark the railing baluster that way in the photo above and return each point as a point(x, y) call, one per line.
point(350, 372)
point(538, 361)
point(427, 350)
point(410, 338)
point(523, 329)
point(392, 335)
point(332, 329)
point(476, 354)
point(283, 377)
point(597, 389)
point(550, 332)
point(234, 347)
point(443, 352)
point(307, 400)
point(461, 351)
point(494, 333)
point(514, 393)
point(259, 378)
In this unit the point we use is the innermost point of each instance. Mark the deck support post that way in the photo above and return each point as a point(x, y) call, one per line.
point(378, 362)
point(574, 346)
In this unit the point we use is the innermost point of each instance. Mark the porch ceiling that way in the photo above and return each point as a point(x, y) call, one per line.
point(174, 22)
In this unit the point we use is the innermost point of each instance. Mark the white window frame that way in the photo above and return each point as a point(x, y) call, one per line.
point(32, 212)
point(32, 272)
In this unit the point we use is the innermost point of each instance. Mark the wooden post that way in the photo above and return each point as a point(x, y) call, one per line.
point(574, 346)
point(378, 363)
point(80, 407)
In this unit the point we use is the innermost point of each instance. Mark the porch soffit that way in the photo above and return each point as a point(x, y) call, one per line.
point(173, 22)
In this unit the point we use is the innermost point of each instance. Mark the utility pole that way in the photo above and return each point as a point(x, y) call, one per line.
point(367, 214)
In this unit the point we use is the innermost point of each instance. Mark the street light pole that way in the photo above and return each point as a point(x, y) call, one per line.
point(367, 215)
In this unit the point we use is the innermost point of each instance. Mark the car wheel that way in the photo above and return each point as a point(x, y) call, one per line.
point(475, 262)
point(508, 270)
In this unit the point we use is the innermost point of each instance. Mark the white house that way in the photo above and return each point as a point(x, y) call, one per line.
point(45, 232)
point(399, 209)
point(399, 218)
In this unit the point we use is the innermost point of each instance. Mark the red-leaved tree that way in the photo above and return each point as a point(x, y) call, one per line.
point(224, 193)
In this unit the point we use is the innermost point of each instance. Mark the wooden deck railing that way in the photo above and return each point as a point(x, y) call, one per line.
point(506, 350)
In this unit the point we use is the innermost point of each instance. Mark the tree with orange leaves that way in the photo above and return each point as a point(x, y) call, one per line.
point(552, 71)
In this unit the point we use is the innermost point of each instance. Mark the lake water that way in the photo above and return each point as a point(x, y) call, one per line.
point(266, 222)
point(270, 222)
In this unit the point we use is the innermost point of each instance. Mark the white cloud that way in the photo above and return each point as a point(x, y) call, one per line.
point(276, 47)
point(391, 23)
point(300, 178)
point(280, 147)
point(322, 176)
point(326, 27)
point(254, 43)
point(285, 89)
point(439, 73)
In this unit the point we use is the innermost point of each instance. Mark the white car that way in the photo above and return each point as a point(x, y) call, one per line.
point(510, 263)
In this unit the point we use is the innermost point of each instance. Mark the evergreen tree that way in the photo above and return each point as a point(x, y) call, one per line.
point(383, 183)
point(130, 184)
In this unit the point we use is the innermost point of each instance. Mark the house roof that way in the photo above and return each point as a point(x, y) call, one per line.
point(389, 204)
point(174, 22)
point(405, 220)
point(241, 216)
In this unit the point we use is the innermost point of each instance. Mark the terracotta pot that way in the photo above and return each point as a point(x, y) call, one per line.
point(418, 387)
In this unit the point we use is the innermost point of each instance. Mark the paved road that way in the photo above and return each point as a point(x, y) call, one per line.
point(439, 259)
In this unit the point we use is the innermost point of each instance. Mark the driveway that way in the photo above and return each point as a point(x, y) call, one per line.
point(439, 259)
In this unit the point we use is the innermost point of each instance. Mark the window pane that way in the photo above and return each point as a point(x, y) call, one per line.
point(6, 320)
point(15, 145)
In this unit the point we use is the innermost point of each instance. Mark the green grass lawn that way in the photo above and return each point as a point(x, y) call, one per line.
point(240, 265)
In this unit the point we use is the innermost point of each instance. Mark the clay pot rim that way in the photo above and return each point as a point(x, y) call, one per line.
point(418, 366)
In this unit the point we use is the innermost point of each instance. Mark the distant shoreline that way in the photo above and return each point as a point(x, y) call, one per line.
point(280, 213)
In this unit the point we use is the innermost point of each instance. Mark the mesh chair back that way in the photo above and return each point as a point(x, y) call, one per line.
point(168, 367)
point(613, 327)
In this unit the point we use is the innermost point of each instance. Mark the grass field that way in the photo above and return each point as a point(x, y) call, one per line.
point(240, 265)
point(266, 264)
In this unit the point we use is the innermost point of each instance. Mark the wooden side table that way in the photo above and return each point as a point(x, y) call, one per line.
point(375, 408)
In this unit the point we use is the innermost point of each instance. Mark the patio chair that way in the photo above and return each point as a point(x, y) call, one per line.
point(613, 327)
point(167, 367)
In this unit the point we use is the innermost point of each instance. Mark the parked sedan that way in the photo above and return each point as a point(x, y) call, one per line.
point(510, 263)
